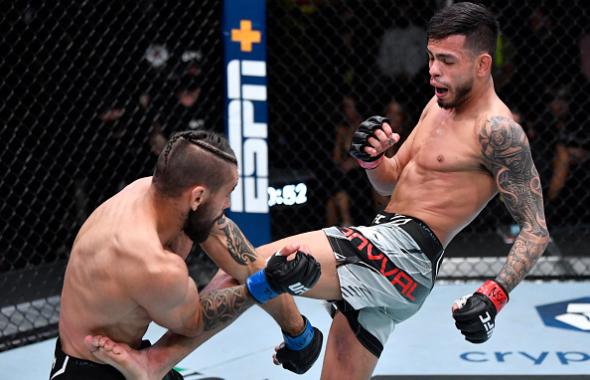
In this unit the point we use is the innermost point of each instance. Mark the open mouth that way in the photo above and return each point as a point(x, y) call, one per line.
point(440, 91)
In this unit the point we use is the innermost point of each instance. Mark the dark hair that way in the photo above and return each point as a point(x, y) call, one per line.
point(475, 22)
point(190, 158)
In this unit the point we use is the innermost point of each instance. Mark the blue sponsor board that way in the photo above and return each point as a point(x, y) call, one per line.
point(571, 314)
point(246, 114)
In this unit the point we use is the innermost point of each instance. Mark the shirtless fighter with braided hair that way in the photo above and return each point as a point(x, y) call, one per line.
point(127, 266)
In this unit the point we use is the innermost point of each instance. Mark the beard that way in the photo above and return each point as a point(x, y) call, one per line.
point(198, 224)
point(461, 94)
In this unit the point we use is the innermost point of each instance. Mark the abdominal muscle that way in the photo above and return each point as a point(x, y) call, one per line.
point(446, 201)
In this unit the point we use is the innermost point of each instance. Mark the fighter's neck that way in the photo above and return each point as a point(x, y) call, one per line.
point(478, 99)
point(166, 214)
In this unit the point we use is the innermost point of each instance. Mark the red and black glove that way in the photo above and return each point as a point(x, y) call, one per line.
point(476, 314)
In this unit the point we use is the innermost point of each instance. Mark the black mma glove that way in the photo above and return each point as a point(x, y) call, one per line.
point(360, 140)
point(476, 314)
point(298, 353)
point(281, 275)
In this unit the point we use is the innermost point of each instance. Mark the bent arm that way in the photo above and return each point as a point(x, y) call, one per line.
point(507, 155)
point(384, 177)
point(222, 301)
point(172, 300)
point(241, 262)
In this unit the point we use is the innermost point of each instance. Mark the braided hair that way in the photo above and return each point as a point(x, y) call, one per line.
point(190, 158)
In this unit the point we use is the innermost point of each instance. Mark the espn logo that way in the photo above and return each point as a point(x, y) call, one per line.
point(247, 135)
point(297, 288)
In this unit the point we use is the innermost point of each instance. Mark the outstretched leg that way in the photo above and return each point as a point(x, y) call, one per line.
point(346, 357)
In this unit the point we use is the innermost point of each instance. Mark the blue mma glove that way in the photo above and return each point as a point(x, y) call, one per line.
point(298, 353)
point(281, 275)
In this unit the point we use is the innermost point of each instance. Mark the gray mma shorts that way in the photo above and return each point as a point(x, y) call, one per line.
point(386, 271)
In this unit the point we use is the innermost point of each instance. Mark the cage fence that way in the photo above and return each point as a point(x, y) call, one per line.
point(92, 90)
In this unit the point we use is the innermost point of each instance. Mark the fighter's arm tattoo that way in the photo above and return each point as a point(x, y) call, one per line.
point(221, 307)
point(238, 246)
point(507, 155)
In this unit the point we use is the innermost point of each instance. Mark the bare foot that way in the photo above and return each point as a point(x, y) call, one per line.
point(133, 364)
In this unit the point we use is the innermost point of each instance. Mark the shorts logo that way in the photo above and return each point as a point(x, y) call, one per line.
point(378, 219)
point(402, 281)
point(397, 220)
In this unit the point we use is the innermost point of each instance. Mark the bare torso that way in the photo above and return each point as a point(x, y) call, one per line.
point(96, 293)
point(444, 182)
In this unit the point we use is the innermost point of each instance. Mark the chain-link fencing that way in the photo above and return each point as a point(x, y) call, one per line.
point(91, 91)
point(335, 63)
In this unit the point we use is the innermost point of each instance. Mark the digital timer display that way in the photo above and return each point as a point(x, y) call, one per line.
point(287, 195)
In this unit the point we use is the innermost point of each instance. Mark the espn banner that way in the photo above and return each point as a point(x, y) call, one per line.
point(246, 114)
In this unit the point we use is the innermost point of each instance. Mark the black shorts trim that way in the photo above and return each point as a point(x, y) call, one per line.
point(364, 337)
point(418, 230)
point(68, 367)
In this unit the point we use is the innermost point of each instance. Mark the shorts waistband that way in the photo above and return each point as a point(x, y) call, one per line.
point(418, 230)
point(60, 356)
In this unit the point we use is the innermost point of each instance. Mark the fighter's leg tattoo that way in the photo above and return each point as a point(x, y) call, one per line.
point(238, 246)
point(221, 307)
point(507, 155)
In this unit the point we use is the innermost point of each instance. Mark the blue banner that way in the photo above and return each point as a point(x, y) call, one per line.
point(246, 114)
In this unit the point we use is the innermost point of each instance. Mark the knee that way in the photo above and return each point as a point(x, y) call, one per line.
point(343, 339)
point(264, 252)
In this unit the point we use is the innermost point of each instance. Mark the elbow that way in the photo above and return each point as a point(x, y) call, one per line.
point(190, 333)
point(384, 191)
point(194, 324)
point(542, 240)
point(537, 239)
point(544, 236)
point(193, 327)
point(381, 187)
point(545, 240)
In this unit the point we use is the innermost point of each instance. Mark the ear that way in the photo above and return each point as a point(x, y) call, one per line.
point(198, 196)
point(483, 65)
